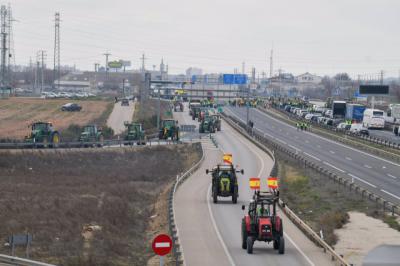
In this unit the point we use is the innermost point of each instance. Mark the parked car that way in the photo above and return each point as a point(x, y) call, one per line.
point(125, 102)
point(344, 126)
point(359, 129)
point(71, 107)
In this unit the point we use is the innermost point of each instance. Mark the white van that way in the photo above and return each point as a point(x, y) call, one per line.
point(374, 118)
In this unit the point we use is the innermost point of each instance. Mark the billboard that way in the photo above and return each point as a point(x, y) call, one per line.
point(234, 78)
point(374, 89)
point(115, 64)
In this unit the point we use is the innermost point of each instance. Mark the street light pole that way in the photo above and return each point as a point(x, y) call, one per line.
point(247, 107)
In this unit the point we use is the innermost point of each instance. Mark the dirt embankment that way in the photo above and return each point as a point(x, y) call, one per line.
point(323, 204)
point(89, 207)
point(17, 113)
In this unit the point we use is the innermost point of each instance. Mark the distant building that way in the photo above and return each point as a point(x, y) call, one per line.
point(193, 71)
point(308, 78)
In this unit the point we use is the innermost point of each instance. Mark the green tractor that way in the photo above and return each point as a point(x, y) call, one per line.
point(169, 129)
point(224, 182)
point(92, 135)
point(207, 125)
point(216, 121)
point(135, 133)
point(43, 135)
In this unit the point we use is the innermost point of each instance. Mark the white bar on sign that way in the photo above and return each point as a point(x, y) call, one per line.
point(163, 245)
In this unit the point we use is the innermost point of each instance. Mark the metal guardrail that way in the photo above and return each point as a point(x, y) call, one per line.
point(173, 229)
point(77, 145)
point(15, 261)
point(371, 139)
point(257, 139)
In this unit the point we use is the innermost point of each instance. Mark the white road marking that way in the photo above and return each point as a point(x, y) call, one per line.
point(392, 176)
point(348, 158)
point(307, 141)
point(362, 180)
point(208, 199)
point(367, 166)
point(394, 196)
point(284, 142)
point(293, 147)
point(312, 156)
point(332, 152)
point(269, 135)
point(331, 141)
point(383, 167)
point(300, 251)
point(162, 245)
point(334, 167)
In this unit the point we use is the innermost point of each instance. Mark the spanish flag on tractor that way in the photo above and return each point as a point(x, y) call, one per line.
point(227, 158)
point(273, 182)
point(254, 183)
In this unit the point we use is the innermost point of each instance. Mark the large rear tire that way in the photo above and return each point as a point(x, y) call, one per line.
point(250, 243)
point(235, 195)
point(215, 195)
point(281, 245)
point(244, 235)
point(55, 140)
point(276, 244)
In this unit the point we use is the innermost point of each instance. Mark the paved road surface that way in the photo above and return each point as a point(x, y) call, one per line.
point(385, 135)
point(210, 233)
point(119, 115)
point(372, 172)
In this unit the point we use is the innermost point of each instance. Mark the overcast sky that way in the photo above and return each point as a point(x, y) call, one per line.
point(319, 36)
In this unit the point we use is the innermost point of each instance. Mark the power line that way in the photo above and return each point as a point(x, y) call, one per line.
point(41, 59)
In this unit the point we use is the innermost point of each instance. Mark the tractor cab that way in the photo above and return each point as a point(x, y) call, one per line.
point(262, 223)
point(216, 118)
point(224, 182)
point(43, 133)
point(134, 133)
point(92, 133)
point(169, 129)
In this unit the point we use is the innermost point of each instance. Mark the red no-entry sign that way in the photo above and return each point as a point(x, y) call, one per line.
point(162, 245)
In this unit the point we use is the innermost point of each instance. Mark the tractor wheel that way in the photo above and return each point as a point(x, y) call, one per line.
point(244, 235)
point(215, 196)
point(235, 195)
point(281, 245)
point(55, 140)
point(101, 141)
point(276, 244)
point(249, 245)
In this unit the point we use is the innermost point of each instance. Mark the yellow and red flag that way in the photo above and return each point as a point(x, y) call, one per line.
point(227, 158)
point(254, 183)
point(273, 182)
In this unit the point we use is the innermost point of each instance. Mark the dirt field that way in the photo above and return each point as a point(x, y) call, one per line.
point(17, 113)
point(89, 207)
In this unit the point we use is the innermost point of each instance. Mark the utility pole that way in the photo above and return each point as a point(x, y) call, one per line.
point(3, 14)
point(11, 52)
point(96, 67)
point(107, 54)
point(57, 67)
point(271, 64)
point(41, 55)
point(143, 58)
point(381, 77)
point(243, 68)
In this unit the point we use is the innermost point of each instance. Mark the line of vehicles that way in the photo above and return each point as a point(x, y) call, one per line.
point(344, 116)
point(66, 95)
point(207, 114)
point(261, 222)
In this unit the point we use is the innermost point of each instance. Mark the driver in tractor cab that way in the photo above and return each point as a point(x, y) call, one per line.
point(262, 210)
point(225, 179)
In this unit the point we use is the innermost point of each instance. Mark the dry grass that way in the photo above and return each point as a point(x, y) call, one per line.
point(53, 195)
point(17, 113)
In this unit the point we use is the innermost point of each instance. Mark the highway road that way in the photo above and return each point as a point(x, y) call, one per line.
point(210, 233)
point(119, 115)
point(385, 135)
point(376, 174)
